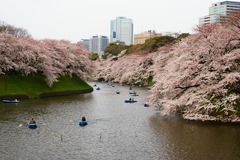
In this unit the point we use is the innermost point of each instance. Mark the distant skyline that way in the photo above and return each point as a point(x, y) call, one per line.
point(74, 20)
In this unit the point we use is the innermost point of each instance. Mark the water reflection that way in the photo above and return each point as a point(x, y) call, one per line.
point(198, 140)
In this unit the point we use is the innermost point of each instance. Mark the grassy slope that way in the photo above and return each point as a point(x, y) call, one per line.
point(33, 85)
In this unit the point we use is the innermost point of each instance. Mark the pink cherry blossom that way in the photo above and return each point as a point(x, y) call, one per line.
point(193, 77)
point(51, 58)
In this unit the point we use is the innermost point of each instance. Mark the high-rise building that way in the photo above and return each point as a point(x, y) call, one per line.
point(122, 30)
point(98, 44)
point(217, 10)
point(140, 38)
point(85, 43)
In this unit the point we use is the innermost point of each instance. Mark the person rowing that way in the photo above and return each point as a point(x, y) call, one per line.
point(32, 121)
point(83, 119)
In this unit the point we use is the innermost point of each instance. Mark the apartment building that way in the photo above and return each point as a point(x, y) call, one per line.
point(141, 37)
point(98, 44)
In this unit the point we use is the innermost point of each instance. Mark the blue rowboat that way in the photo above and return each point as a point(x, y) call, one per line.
point(130, 101)
point(134, 94)
point(83, 123)
point(10, 101)
point(32, 126)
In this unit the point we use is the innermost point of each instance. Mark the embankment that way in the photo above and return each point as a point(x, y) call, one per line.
point(34, 86)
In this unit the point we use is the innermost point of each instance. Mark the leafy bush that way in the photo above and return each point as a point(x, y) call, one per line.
point(183, 35)
point(94, 56)
point(115, 49)
point(151, 44)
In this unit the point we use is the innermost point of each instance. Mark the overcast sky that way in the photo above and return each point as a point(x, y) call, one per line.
point(74, 20)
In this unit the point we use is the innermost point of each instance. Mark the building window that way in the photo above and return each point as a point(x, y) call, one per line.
point(114, 35)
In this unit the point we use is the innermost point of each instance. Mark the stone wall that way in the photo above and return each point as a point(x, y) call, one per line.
point(54, 94)
point(43, 95)
point(15, 96)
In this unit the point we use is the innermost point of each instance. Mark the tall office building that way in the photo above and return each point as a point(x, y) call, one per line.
point(98, 44)
point(122, 30)
point(217, 10)
point(85, 43)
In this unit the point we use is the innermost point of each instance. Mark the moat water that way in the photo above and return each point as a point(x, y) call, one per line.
point(115, 130)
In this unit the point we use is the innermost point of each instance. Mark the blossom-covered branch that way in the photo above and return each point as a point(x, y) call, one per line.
point(51, 58)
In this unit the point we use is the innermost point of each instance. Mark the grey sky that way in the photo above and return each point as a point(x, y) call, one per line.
point(77, 19)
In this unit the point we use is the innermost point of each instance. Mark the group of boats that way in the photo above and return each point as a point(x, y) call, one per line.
point(132, 93)
point(131, 100)
point(33, 125)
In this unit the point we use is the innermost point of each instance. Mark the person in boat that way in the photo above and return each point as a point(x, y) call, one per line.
point(83, 119)
point(134, 92)
point(32, 121)
point(16, 100)
point(130, 99)
point(146, 104)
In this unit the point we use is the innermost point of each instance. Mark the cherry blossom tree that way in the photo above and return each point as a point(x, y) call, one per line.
point(9, 29)
point(134, 70)
point(232, 19)
point(203, 65)
point(198, 77)
point(51, 58)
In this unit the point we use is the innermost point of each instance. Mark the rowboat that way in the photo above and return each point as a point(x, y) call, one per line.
point(83, 123)
point(11, 101)
point(32, 126)
point(130, 101)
